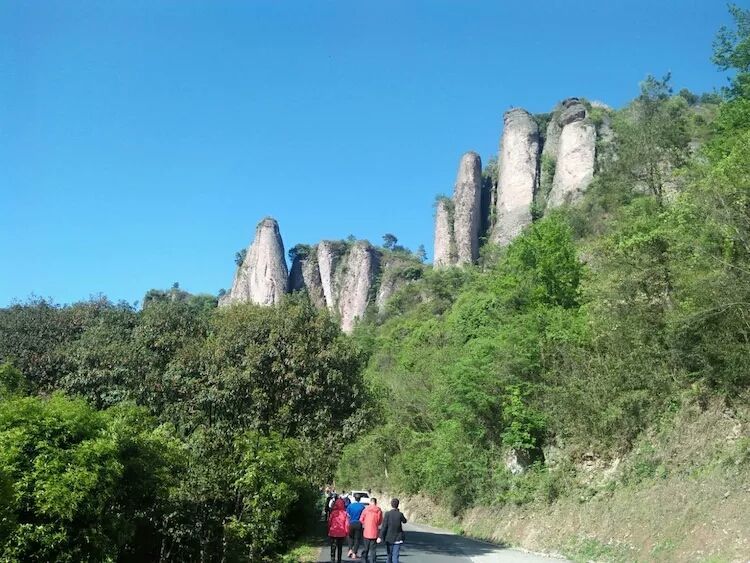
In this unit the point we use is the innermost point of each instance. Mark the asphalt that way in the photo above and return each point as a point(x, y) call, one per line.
point(430, 545)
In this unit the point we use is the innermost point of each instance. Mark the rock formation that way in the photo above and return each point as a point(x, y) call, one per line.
point(347, 278)
point(343, 277)
point(305, 275)
point(576, 155)
point(459, 219)
point(443, 255)
point(357, 282)
point(328, 260)
point(262, 276)
point(549, 156)
point(518, 178)
point(467, 201)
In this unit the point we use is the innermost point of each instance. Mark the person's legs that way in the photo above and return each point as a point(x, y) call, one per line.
point(333, 549)
point(370, 554)
point(339, 549)
point(389, 552)
point(396, 552)
point(357, 539)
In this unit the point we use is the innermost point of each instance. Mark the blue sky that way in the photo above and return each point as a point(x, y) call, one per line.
point(141, 141)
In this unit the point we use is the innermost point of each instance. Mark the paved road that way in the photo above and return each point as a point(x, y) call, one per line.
point(429, 545)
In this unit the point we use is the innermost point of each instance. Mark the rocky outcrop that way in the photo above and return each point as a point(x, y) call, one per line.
point(443, 255)
point(357, 281)
point(458, 220)
point(518, 178)
point(262, 276)
point(467, 201)
point(576, 155)
point(328, 260)
point(305, 276)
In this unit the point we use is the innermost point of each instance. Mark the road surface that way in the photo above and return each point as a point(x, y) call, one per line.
point(430, 545)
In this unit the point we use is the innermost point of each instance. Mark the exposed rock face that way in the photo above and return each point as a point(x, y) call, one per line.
point(518, 178)
point(328, 259)
point(362, 265)
point(572, 110)
point(262, 277)
point(444, 243)
point(467, 202)
point(576, 156)
point(305, 275)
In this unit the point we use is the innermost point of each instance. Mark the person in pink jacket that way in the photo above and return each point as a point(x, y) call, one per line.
point(338, 529)
point(371, 518)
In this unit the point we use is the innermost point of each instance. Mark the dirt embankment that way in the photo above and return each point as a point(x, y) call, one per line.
point(683, 494)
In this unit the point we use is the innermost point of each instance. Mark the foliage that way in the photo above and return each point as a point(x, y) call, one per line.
point(216, 376)
point(652, 137)
point(86, 485)
point(239, 257)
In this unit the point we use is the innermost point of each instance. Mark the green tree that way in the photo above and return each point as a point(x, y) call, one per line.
point(87, 485)
point(389, 241)
point(652, 138)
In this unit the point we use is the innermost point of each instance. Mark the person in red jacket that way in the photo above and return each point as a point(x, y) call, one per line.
point(338, 529)
point(371, 518)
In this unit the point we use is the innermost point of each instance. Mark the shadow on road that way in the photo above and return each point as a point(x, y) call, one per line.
point(445, 544)
point(422, 544)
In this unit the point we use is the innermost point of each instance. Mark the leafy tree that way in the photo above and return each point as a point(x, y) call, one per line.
point(732, 50)
point(274, 496)
point(87, 485)
point(652, 138)
point(389, 241)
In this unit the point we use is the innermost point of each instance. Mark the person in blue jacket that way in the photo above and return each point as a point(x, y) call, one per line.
point(354, 510)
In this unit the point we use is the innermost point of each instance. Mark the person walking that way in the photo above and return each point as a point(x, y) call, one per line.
point(354, 510)
point(338, 529)
point(331, 496)
point(392, 532)
point(371, 518)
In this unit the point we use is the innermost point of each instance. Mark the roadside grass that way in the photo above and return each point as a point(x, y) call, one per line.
point(307, 548)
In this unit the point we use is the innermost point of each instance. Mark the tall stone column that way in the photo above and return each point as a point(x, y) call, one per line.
point(467, 202)
point(518, 175)
point(262, 276)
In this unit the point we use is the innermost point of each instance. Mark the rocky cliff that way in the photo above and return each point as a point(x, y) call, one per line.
point(329, 255)
point(576, 154)
point(357, 281)
point(459, 219)
point(262, 276)
point(518, 174)
point(444, 249)
point(344, 277)
point(467, 199)
point(535, 171)
point(305, 275)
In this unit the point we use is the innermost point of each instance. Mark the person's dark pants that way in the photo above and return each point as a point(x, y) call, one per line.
point(370, 553)
point(393, 549)
point(337, 545)
point(355, 536)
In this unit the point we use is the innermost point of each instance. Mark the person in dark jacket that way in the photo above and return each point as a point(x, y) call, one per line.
point(392, 532)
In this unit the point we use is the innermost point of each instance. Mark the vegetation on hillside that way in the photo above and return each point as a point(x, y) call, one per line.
point(590, 328)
